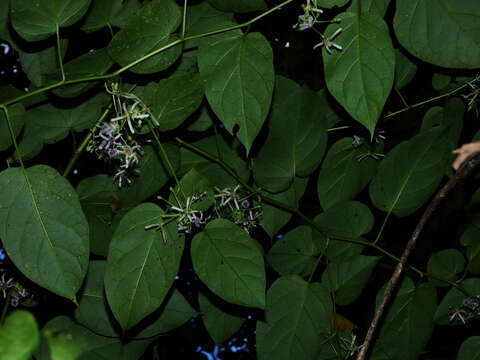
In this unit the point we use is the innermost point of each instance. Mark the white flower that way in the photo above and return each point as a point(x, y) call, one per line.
point(328, 42)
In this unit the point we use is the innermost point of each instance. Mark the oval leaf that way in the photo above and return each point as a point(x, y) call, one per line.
point(442, 32)
point(19, 336)
point(230, 263)
point(38, 19)
point(43, 228)
point(239, 76)
point(141, 264)
point(410, 173)
point(239, 6)
point(446, 264)
point(16, 114)
point(470, 349)
point(297, 314)
point(360, 76)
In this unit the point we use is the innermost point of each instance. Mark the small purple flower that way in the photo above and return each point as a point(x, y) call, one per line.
point(245, 204)
point(306, 22)
point(280, 236)
point(5, 284)
point(17, 297)
point(2, 254)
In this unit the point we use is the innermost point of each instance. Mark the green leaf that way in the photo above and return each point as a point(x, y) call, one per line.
point(141, 264)
point(378, 7)
point(408, 324)
point(238, 6)
point(239, 75)
point(329, 114)
point(440, 81)
point(36, 20)
point(296, 140)
point(92, 310)
point(346, 220)
point(444, 33)
point(109, 13)
point(348, 278)
point(41, 67)
point(47, 124)
point(174, 312)
point(230, 263)
point(273, 218)
point(297, 314)
point(360, 76)
point(176, 99)
point(148, 30)
point(19, 336)
point(470, 349)
point(94, 62)
point(342, 176)
point(454, 300)
point(446, 264)
point(217, 146)
point(43, 228)
point(410, 173)
point(219, 324)
point(101, 204)
point(294, 253)
point(16, 113)
point(153, 175)
point(405, 70)
point(193, 184)
point(201, 120)
point(336, 250)
point(469, 239)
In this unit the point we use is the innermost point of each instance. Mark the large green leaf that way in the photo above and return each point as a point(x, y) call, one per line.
point(410, 173)
point(141, 264)
point(43, 228)
point(330, 3)
point(348, 278)
point(239, 75)
point(38, 19)
point(408, 324)
point(16, 114)
point(221, 148)
point(361, 76)
point(294, 253)
point(176, 99)
point(109, 13)
point(378, 7)
point(148, 30)
point(273, 218)
point(470, 349)
point(297, 314)
point(19, 336)
point(442, 32)
point(405, 70)
point(219, 324)
point(349, 219)
point(342, 176)
point(230, 263)
point(296, 140)
point(239, 6)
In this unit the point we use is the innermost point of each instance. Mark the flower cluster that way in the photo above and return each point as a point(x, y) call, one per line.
point(193, 212)
point(17, 294)
point(114, 139)
point(309, 17)
point(469, 309)
point(472, 97)
point(359, 141)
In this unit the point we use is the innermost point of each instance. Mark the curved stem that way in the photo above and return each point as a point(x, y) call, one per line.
point(59, 52)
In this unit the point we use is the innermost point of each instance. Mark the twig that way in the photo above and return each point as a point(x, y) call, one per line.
point(464, 170)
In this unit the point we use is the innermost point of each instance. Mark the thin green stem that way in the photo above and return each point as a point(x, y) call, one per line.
point(167, 160)
point(450, 93)
point(59, 52)
point(338, 128)
point(12, 135)
point(184, 21)
point(84, 143)
point(5, 307)
point(401, 97)
point(143, 58)
point(380, 232)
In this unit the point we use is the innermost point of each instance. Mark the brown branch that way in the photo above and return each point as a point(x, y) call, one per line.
point(465, 169)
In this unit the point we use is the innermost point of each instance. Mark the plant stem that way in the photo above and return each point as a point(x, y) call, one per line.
point(84, 143)
point(59, 52)
point(5, 307)
point(184, 21)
